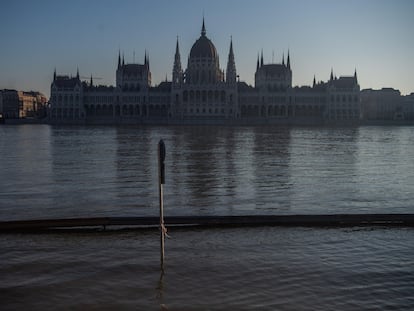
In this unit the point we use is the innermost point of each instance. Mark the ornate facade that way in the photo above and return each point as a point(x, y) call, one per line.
point(204, 93)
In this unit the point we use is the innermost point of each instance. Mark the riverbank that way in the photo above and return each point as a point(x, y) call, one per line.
point(212, 122)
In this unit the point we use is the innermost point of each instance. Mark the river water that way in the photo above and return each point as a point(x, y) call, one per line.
point(57, 172)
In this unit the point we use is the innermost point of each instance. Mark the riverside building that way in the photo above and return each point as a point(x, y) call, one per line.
point(204, 93)
point(20, 104)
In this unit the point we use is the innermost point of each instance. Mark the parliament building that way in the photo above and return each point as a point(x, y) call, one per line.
point(204, 93)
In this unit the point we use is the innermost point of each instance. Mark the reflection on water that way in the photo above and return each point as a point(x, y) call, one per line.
point(111, 171)
point(95, 171)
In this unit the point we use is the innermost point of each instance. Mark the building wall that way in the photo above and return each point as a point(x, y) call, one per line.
point(32, 104)
point(408, 107)
point(66, 102)
point(20, 104)
point(384, 104)
point(11, 104)
point(343, 100)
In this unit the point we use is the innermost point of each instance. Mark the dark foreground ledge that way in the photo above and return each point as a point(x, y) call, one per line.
point(406, 220)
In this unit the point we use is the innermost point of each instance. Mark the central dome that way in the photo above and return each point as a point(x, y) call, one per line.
point(203, 47)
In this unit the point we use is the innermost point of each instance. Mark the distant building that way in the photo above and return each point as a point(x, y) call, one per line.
point(32, 104)
point(384, 104)
point(204, 93)
point(20, 104)
point(66, 98)
point(408, 107)
point(11, 104)
point(343, 100)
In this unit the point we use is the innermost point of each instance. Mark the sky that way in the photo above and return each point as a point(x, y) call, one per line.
point(375, 37)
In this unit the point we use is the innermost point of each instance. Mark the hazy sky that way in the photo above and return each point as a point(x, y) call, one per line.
point(374, 36)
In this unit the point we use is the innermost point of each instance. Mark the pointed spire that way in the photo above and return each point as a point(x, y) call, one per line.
point(355, 76)
point(231, 65)
point(123, 59)
point(91, 83)
point(258, 63)
point(314, 80)
point(77, 73)
point(146, 60)
point(177, 74)
point(283, 59)
point(119, 59)
point(331, 78)
point(177, 48)
point(261, 59)
point(231, 47)
point(177, 58)
point(54, 75)
point(203, 29)
point(288, 61)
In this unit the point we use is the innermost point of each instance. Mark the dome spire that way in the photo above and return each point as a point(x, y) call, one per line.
point(203, 29)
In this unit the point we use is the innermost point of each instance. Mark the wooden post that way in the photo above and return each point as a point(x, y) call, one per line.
point(161, 182)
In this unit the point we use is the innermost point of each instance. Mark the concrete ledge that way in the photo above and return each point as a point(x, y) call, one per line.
point(100, 223)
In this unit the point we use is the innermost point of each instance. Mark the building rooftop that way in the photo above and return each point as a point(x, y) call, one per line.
point(274, 69)
point(344, 82)
point(66, 82)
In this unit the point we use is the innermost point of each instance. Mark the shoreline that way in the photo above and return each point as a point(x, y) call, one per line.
point(209, 122)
